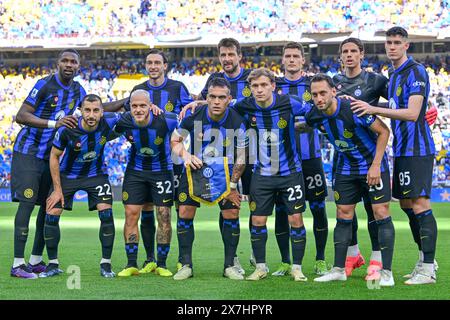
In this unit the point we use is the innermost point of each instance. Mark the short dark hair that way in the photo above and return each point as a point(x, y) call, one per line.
point(294, 45)
point(256, 73)
point(356, 41)
point(160, 52)
point(397, 31)
point(219, 82)
point(228, 43)
point(75, 52)
point(323, 77)
point(91, 97)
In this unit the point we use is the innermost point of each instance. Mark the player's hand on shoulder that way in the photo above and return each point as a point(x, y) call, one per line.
point(156, 110)
point(190, 106)
point(68, 121)
point(347, 97)
point(361, 108)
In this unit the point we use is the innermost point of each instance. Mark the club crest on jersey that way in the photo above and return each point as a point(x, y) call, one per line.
point(246, 92)
point(182, 197)
point(124, 196)
point(282, 123)
point(347, 134)
point(158, 141)
point(72, 104)
point(399, 91)
point(102, 140)
point(357, 92)
point(169, 106)
point(28, 193)
point(306, 96)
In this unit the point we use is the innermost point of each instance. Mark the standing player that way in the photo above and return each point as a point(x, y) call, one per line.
point(148, 178)
point(361, 167)
point(414, 148)
point(169, 95)
point(49, 105)
point(215, 120)
point(295, 82)
point(82, 168)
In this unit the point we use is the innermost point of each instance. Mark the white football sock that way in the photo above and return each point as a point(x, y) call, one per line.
point(105, 261)
point(34, 260)
point(376, 256)
point(55, 261)
point(353, 251)
point(421, 256)
point(18, 261)
point(261, 266)
point(297, 267)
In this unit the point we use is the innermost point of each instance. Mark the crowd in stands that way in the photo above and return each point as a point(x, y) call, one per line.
point(45, 19)
point(99, 78)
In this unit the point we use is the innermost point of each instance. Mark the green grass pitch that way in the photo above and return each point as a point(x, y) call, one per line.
point(80, 246)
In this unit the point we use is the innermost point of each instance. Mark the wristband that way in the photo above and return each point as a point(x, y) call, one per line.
point(233, 185)
point(51, 124)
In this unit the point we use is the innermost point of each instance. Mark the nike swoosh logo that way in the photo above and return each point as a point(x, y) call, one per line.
point(297, 241)
point(24, 233)
point(167, 200)
point(48, 239)
point(319, 193)
point(406, 192)
point(383, 248)
point(253, 124)
point(104, 199)
point(181, 232)
point(53, 105)
point(298, 207)
point(336, 243)
point(253, 240)
point(423, 237)
point(378, 198)
point(279, 234)
point(108, 234)
point(317, 229)
point(235, 234)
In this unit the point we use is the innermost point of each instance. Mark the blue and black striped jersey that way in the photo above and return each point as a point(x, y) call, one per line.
point(209, 139)
point(51, 100)
point(351, 137)
point(84, 150)
point(309, 141)
point(239, 86)
point(272, 135)
point(171, 96)
point(410, 138)
point(150, 145)
point(367, 86)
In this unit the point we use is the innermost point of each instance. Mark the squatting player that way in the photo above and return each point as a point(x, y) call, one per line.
point(229, 131)
point(413, 147)
point(361, 167)
point(148, 177)
point(82, 168)
point(296, 82)
point(49, 105)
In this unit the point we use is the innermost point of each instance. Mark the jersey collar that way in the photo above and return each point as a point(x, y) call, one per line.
point(61, 84)
point(158, 87)
point(235, 78)
point(149, 123)
point(302, 79)
point(221, 120)
point(80, 126)
point(269, 107)
point(403, 66)
point(337, 109)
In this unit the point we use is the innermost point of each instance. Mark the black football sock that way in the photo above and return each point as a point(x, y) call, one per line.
point(428, 235)
point(178, 219)
point(132, 253)
point(372, 226)
point(148, 231)
point(386, 236)
point(21, 222)
point(354, 239)
point(342, 237)
point(230, 234)
point(259, 240)
point(186, 235)
point(52, 235)
point(414, 226)
point(282, 232)
point(39, 242)
point(163, 252)
point(320, 225)
point(107, 232)
point(298, 242)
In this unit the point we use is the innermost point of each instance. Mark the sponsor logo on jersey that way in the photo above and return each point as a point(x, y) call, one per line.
point(343, 146)
point(90, 156)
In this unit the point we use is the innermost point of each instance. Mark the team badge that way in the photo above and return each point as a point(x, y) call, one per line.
point(357, 92)
point(306, 96)
point(182, 197)
point(28, 193)
point(282, 123)
point(252, 206)
point(102, 140)
point(246, 92)
point(208, 172)
point(336, 196)
point(399, 91)
point(158, 141)
point(71, 105)
point(169, 106)
point(124, 196)
point(77, 146)
point(347, 134)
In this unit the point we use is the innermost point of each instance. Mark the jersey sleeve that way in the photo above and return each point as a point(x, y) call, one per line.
point(120, 126)
point(365, 120)
point(186, 126)
point(418, 81)
point(299, 106)
point(382, 84)
point(185, 97)
point(36, 94)
point(171, 121)
point(242, 139)
point(60, 141)
point(312, 119)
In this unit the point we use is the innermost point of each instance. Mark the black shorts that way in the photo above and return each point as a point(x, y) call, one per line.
point(97, 188)
point(349, 189)
point(315, 182)
point(140, 187)
point(246, 179)
point(30, 179)
point(177, 172)
point(286, 190)
point(412, 177)
point(185, 200)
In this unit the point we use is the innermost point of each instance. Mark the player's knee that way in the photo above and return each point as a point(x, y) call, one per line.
point(381, 211)
point(230, 214)
point(106, 215)
point(296, 220)
point(103, 206)
point(55, 212)
point(259, 221)
point(345, 212)
point(421, 204)
point(148, 207)
point(187, 212)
